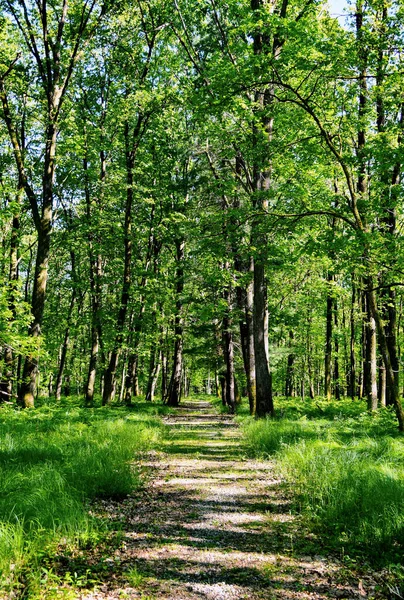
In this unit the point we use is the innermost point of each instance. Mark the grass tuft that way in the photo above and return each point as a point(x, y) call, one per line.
point(53, 461)
point(346, 468)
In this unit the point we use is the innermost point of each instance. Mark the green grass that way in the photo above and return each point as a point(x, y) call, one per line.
point(346, 468)
point(53, 461)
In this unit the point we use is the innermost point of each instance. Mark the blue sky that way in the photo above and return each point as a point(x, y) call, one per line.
point(337, 9)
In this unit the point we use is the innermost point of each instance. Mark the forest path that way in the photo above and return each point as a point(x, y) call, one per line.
point(213, 525)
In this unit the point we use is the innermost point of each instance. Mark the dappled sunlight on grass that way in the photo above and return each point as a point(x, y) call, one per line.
point(53, 460)
point(346, 466)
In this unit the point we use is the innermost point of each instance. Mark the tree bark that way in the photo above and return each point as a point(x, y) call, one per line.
point(154, 369)
point(228, 351)
point(174, 389)
point(337, 383)
point(391, 378)
point(6, 383)
point(110, 372)
point(262, 136)
point(65, 345)
point(289, 385)
point(372, 391)
point(328, 339)
point(352, 361)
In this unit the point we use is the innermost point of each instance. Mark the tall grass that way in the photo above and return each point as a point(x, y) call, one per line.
point(347, 470)
point(53, 461)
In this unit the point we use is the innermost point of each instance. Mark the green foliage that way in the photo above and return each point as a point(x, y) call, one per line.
point(52, 463)
point(346, 468)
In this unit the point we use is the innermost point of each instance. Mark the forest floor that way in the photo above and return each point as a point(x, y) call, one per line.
point(213, 525)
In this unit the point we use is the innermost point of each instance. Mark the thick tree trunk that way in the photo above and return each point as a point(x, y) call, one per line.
point(390, 319)
point(30, 371)
point(262, 136)
point(391, 378)
point(262, 375)
point(174, 389)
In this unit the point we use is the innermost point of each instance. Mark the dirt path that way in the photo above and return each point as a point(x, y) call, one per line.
point(215, 526)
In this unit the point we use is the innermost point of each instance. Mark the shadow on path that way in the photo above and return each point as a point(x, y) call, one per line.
point(213, 525)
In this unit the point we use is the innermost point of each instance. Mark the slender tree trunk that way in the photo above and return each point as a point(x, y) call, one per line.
point(154, 368)
point(390, 179)
point(110, 372)
point(337, 384)
point(65, 345)
point(392, 380)
point(217, 382)
point(366, 347)
point(245, 303)
point(328, 339)
point(164, 372)
point(228, 351)
point(382, 384)
point(249, 311)
point(132, 381)
point(95, 272)
point(372, 345)
point(289, 386)
point(6, 383)
point(352, 373)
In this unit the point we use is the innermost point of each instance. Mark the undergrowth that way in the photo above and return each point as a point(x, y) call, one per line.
point(346, 467)
point(53, 461)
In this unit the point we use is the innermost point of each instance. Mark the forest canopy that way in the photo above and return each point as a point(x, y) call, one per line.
point(201, 196)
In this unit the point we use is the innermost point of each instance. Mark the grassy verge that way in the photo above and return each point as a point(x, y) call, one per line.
point(53, 461)
point(347, 471)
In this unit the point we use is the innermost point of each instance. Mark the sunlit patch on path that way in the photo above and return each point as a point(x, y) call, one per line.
point(214, 525)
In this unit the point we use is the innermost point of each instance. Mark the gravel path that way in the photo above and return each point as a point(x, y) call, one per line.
point(213, 525)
